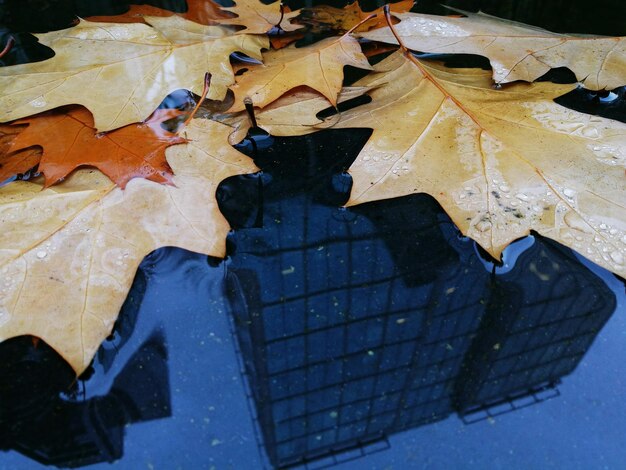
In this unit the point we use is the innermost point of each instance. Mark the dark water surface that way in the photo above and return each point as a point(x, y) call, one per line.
point(370, 337)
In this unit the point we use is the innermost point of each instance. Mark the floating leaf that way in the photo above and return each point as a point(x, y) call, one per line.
point(127, 71)
point(516, 51)
point(500, 162)
point(136, 150)
point(319, 66)
point(259, 18)
point(201, 11)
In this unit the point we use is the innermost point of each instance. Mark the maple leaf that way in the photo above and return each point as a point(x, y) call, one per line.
point(13, 163)
point(68, 254)
point(516, 51)
point(19, 163)
point(258, 18)
point(136, 150)
point(319, 66)
point(201, 11)
point(8, 133)
point(324, 17)
point(128, 71)
point(500, 162)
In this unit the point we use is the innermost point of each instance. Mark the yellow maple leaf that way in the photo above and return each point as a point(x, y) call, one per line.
point(516, 51)
point(259, 18)
point(121, 72)
point(500, 162)
point(319, 66)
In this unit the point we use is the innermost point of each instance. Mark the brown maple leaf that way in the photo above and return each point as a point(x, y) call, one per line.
point(201, 11)
point(8, 133)
point(15, 162)
point(133, 151)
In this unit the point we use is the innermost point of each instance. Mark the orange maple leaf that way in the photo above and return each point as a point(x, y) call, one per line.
point(70, 141)
point(15, 162)
point(201, 11)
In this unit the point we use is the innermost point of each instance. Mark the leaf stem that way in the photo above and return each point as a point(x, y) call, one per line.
point(247, 101)
point(205, 90)
point(282, 15)
point(7, 48)
point(393, 29)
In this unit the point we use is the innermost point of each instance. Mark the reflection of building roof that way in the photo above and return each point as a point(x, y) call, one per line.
point(347, 339)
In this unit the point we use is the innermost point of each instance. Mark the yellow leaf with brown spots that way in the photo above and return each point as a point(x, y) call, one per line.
point(500, 162)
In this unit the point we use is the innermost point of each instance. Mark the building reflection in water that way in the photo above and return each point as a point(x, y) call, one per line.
point(356, 324)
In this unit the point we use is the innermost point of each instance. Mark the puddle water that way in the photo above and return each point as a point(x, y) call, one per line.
point(368, 337)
